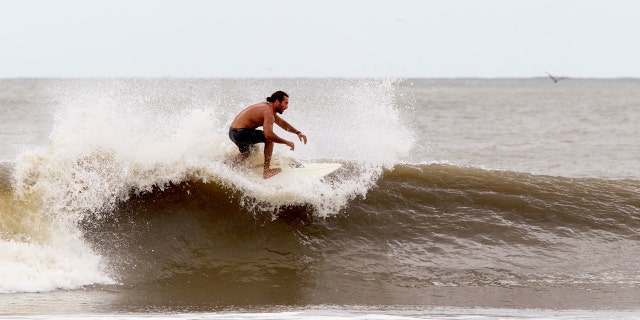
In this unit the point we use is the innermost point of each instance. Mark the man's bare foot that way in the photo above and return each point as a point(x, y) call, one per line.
point(268, 173)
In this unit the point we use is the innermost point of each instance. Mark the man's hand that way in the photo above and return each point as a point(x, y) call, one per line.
point(302, 137)
point(290, 145)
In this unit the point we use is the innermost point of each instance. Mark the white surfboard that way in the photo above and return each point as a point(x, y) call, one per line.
point(314, 170)
point(292, 169)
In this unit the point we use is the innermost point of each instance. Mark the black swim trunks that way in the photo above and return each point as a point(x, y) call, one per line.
point(244, 138)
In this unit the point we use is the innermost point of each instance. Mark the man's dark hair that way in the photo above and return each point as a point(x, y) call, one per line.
point(278, 95)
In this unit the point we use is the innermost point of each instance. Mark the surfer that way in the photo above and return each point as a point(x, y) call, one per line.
point(244, 133)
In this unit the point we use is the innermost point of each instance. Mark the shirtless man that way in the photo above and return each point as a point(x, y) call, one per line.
point(244, 134)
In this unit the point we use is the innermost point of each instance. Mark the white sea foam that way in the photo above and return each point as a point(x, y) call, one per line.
point(61, 263)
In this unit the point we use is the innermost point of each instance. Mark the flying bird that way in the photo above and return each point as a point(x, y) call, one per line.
point(555, 79)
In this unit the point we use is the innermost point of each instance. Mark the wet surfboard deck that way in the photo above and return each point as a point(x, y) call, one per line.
point(292, 169)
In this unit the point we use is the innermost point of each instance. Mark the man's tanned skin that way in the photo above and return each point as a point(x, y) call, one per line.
point(264, 114)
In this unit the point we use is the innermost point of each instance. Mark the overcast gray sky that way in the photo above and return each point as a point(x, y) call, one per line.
point(319, 38)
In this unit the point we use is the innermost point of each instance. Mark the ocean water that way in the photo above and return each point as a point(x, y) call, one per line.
point(457, 199)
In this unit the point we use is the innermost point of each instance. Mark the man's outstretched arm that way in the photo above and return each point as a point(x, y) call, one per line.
point(287, 127)
point(270, 135)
